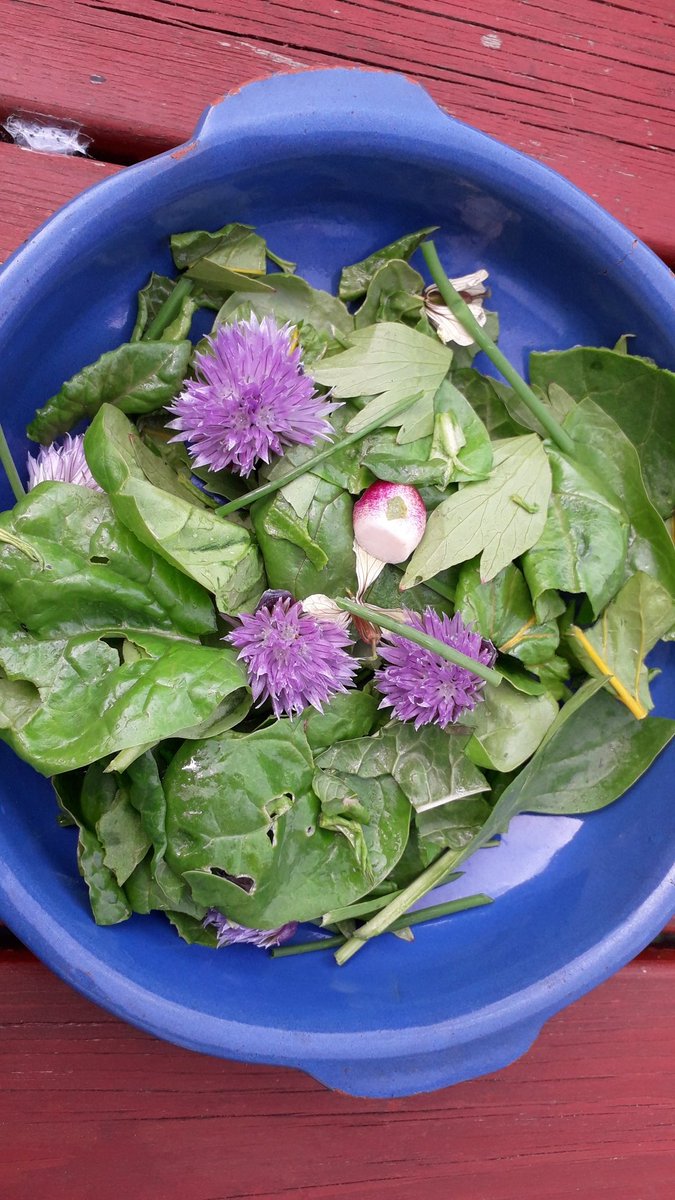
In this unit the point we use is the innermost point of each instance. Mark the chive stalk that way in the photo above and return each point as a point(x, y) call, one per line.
point(414, 918)
point(267, 489)
point(168, 311)
point(464, 315)
point(368, 613)
point(9, 465)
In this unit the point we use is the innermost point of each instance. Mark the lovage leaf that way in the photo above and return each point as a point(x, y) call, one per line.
point(499, 518)
point(137, 377)
point(388, 361)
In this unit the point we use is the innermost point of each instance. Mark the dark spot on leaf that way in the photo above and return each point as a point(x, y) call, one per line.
point(245, 882)
point(310, 831)
point(99, 558)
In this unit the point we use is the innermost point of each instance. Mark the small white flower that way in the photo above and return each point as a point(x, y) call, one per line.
point(446, 324)
point(325, 609)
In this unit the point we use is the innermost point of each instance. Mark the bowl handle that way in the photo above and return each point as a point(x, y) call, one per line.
point(337, 99)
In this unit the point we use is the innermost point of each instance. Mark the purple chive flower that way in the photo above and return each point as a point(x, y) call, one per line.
point(251, 399)
point(421, 686)
point(65, 464)
point(228, 933)
point(293, 658)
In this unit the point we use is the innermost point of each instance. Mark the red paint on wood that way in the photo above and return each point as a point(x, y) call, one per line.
point(34, 186)
point(582, 85)
point(90, 1107)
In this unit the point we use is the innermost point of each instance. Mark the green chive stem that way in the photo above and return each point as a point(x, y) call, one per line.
point(10, 468)
point(461, 310)
point(368, 613)
point(395, 910)
point(267, 489)
point(363, 907)
point(415, 918)
point(168, 311)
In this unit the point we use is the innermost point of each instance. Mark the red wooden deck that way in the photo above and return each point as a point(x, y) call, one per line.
point(91, 1108)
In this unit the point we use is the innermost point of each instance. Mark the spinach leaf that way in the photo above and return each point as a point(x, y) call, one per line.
point(594, 751)
point(137, 377)
point(501, 516)
point(150, 300)
point(236, 246)
point(450, 827)
point(243, 809)
point(318, 523)
point(394, 294)
point(91, 573)
point(502, 610)
point(641, 613)
point(638, 395)
point(85, 805)
point(602, 446)
point(292, 299)
point(354, 279)
point(388, 361)
point(90, 705)
point(346, 716)
point(217, 553)
point(508, 726)
point(386, 593)
point(431, 766)
point(584, 542)
point(488, 398)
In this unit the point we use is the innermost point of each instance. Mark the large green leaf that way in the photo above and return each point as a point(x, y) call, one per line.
point(292, 299)
point(388, 361)
point(583, 544)
point(638, 395)
point(502, 610)
point(218, 554)
point(591, 755)
point(354, 279)
point(641, 613)
point(236, 246)
point(431, 766)
point(90, 572)
point(602, 446)
point(137, 377)
point(347, 715)
point(508, 726)
point(88, 704)
point(499, 517)
point(243, 808)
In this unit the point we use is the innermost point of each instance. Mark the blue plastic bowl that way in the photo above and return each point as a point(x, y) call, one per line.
point(330, 165)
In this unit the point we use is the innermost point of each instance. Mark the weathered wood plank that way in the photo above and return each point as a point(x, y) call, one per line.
point(89, 1107)
point(585, 86)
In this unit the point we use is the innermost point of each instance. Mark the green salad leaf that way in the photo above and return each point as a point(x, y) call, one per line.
point(216, 553)
point(355, 279)
point(639, 396)
point(503, 611)
point(137, 377)
point(498, 518)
